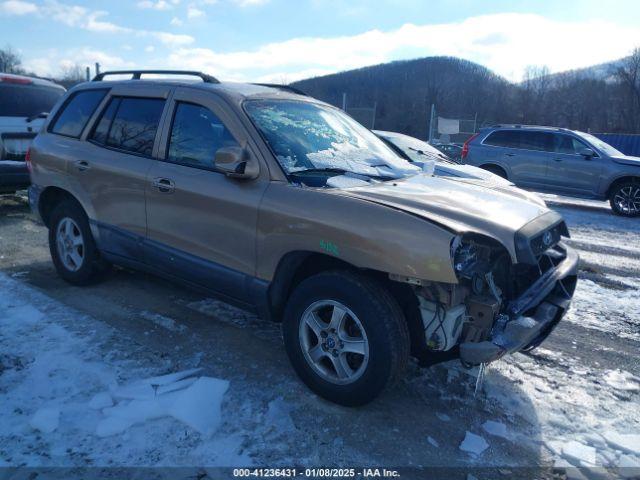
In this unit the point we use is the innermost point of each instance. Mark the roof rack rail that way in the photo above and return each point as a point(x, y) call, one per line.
point(286, 88)
point(518, 125)
point(136, 74)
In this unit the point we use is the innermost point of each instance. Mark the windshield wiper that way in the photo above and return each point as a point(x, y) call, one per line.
point(320, 170)
point(439, 157)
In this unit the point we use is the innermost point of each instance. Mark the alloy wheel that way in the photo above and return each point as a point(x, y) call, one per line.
point(70, 244)
point(334, 342)
point(627, 199)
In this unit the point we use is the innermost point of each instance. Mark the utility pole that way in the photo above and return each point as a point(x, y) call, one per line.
point(344, 101)
point(375, 109)
point(88, 72)
point(433, 114)
point(97, 68)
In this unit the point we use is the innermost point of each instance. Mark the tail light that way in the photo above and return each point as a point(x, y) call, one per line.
point(15, 79)
point(465, 147)
point(27, 160)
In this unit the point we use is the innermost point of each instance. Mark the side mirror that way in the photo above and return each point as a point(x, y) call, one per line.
point(587, 152)
point(235, 162)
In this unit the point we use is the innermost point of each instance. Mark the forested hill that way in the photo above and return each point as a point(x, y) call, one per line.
point(403, 92)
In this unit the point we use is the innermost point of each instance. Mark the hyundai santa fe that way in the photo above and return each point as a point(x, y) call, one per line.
point(285, 206)
point(560, 161)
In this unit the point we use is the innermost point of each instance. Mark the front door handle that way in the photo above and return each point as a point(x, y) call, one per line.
point(164, 185)
point(82, 165)
point(510, 154)
point(557, 159)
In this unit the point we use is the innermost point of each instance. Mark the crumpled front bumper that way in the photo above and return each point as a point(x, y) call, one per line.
point(530, 318)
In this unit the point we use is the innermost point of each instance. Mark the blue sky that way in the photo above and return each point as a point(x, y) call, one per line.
point(279, 40)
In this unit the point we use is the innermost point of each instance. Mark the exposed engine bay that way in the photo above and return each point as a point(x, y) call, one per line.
point(497, 307)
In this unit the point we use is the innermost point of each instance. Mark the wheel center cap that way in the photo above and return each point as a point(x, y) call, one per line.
point(331, 343)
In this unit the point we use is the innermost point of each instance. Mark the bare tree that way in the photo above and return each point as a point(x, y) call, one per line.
point(628, 74)
point(10, 61)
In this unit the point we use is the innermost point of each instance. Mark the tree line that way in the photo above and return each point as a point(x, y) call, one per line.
point(404, 91)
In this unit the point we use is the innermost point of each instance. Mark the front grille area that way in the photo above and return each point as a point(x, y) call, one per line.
point(547, 239)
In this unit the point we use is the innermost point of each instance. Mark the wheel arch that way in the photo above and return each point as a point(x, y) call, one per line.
point(493, 167)
point(296, 266)
point(52, 196)
point(620, 180)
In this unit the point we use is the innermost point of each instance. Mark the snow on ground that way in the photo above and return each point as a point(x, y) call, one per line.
point(61, 397)
point(76, 391)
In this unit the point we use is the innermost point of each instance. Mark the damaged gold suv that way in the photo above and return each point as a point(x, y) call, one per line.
point(284, 205)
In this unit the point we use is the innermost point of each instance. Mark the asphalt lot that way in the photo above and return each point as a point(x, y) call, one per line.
point(580, 384)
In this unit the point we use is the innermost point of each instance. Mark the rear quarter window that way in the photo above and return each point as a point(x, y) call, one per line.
point(76, 111)
point(27, 100)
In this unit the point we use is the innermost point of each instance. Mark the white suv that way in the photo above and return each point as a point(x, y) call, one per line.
point(24, 103)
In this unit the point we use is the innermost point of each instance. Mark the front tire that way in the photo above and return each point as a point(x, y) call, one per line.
point(345, 336)
point(625, 199)
point(73, 249)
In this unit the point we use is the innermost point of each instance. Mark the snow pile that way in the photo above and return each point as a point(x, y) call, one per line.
point(194, 401)
point(164, 322)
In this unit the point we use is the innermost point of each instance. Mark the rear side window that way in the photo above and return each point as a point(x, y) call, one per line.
point(504, 138)
point(27, 100)
point(542, 141)
point(76, 112)
point(130, 124)
point(196, 135)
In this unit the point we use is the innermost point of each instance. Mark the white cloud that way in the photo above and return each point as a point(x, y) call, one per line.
point(149, 48)
point(506, 43)
point(250, 3)
point(157, 5)
point(171, 39)
point(194, 12)
point(17, 7)
point(176, 22)
point(55, 61)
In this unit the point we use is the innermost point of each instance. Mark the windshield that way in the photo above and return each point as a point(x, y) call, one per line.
point(417, 150)
point(601, 145)
point(306, 136)
point(27, 100)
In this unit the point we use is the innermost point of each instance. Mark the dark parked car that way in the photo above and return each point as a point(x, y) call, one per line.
point(560, 161)
point(24, 102)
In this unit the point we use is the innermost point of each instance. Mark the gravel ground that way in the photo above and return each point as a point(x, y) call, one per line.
point(564, 405)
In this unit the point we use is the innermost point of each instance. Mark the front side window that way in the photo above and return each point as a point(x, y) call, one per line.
point(568, 144)
point(196, 135)
point(76, 112)
point(305, 136)
point(130, 124)
point(504, 138)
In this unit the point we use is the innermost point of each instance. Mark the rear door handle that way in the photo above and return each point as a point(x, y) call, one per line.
point(164, 185)
point(510, 154)
point(82, 165)
point(557, 159)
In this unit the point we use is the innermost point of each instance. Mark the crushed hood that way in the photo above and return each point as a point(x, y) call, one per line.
point(461, 205)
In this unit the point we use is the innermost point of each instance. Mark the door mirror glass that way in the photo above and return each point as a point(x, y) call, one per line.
point(236, 162)
point(586, 152)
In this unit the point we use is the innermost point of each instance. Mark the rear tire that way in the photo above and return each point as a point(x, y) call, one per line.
point(348, 360)
point(495, 170)
point(73, 249)
point(625, 199)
